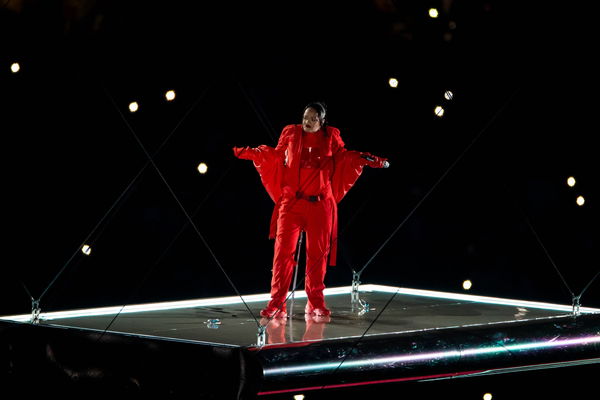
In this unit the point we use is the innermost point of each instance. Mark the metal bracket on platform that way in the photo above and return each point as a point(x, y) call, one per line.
point(261, 337)
point(355, 283)
point(35, 311)
point(576, 305)
point(359, 306)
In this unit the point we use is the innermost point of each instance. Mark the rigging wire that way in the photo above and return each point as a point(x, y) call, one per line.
point(357, 341)
point(441, 178)
point(165, 251)
point(541, 243)
point(183, 209)
point(589, 284)
point(260, 114)
point(121, 196)
point(539, 240)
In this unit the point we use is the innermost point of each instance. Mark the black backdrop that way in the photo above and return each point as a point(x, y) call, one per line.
point(521, 121)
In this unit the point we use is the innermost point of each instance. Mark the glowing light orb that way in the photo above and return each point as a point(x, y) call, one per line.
point(133, 106)
point(202, 168)
point(86, 249)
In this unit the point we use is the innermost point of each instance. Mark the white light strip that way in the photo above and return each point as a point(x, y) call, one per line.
point(476, 299)
point(387, 361)
point(170, 305)
point(216, 301)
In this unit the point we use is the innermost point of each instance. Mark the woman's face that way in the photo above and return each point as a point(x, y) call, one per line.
point(310, 120)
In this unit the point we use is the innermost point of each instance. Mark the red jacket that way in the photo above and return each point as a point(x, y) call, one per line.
point(274, 165)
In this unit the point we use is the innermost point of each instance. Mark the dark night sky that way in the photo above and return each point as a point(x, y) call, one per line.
point(524, 82)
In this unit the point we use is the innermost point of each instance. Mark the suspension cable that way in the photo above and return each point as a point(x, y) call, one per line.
point(589, 284)
point(539, 240)
point(441, 178)
point(122, 195)
point(260, 115)
point(165, 251)
point(357, 341)
point(537, 237)
point(185, 212)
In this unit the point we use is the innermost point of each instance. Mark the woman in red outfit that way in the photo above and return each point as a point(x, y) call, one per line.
point(306, 175)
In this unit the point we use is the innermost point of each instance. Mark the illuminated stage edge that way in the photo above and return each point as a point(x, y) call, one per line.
point(75, 357)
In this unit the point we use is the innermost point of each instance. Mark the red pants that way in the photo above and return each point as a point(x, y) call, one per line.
point(315, 219)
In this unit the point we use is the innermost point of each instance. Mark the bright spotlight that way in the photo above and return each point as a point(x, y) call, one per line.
point(487, 396)
point(133, 106)
point(439, 111)
point(448, 95)
point(393, 82)
point(202, 168)
point(170, 95)
point(85, 249)
point(580, 200)
point(467, 284)
point(571, 181)
point(298, 397)
point(15, 67)
point(433, 12)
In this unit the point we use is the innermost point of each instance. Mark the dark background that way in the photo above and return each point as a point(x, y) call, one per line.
point(488, 180)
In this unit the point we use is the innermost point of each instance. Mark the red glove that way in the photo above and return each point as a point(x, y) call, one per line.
point(243, 153)
point(374, 161)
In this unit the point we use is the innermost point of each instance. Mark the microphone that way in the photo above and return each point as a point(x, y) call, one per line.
point(386, 164)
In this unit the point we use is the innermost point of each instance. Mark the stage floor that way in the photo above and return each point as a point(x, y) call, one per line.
point(226, 320)
point(380, 334)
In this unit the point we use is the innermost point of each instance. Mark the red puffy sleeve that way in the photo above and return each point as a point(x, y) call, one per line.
point(269, 162)
point(348, 166)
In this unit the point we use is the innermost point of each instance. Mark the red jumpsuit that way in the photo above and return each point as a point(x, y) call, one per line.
point(306, 175)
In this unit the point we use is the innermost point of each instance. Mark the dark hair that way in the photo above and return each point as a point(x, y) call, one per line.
point(321, 109)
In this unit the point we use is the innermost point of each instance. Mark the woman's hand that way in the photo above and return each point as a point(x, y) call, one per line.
point(374, 161)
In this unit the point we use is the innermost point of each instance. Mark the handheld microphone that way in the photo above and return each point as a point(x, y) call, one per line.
point(386, 164)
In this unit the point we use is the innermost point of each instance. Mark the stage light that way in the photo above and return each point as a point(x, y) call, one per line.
point(299, 397)
point(170, 95)
point(487, 396)
point(448, 95)
point(15, 67)
point(467, 284)
point(393, 82)
point(571, 181)
point(433, 12)
point(133, 106)
point(439, 111)
point(202, 168)
point(580, 200)
point(86, 249)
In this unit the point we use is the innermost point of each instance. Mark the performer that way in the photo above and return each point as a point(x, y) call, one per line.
point(306, 175)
